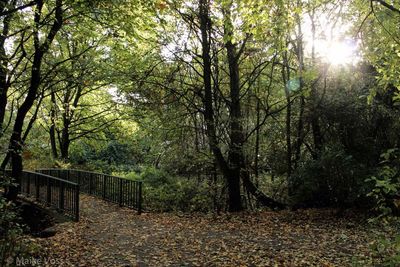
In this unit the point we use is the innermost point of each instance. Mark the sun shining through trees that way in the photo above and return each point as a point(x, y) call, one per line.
point(219, 113)
point(328, 35)
point(338, 52)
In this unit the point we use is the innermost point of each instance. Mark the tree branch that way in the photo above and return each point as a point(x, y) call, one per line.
point(7, 12)
point(387, 5)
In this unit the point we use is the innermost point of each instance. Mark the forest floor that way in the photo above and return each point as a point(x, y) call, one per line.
point(108, 235)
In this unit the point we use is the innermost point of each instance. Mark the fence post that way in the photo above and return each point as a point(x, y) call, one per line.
point(78, 178)
point(120, 192)
point(90, 182)
point(77, 202)
point(21, 183)
point(104, 186)
point(37, 186)
point(28, 185)
point(139, 204)
point(48, 191)
point(61, 203)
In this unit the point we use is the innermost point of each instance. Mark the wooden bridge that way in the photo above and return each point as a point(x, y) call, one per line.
point(60, 188)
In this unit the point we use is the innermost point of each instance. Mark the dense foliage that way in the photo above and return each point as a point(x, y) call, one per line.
point(238, 105)
point(13, 241)
point(217, 105)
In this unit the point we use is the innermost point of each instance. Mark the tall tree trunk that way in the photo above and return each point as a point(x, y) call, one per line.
point(16, 145)
point(205, 28)
point(25, 135)
point(52, 131)
point(67, 116)
point(53, 143)
point(16, 141)
point(299, 131)
point(257, 145)
point(65, 141)
point(286, 81)
point(235, 157)
point(235, 167)
point(237, 162)
point(4, 84)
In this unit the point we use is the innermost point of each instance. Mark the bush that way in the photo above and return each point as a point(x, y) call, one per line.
point(386, 252)
point(334, 179)
point(13, 243)
point(179, 195)
point(10, 232)
point(386, 185)
point(155, 177)
point(163, 192)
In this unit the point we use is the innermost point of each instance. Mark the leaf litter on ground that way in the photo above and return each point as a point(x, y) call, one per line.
point(108, 235)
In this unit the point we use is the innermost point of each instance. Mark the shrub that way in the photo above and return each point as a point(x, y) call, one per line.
point(386, 185)
point(155, 177)
point(178, 195)
point(386, 252)
point(334, 179)
point(163, 192)
point(13, 242)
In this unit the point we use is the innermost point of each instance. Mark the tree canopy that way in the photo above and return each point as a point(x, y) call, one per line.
point(227, 92)
point(217, 105)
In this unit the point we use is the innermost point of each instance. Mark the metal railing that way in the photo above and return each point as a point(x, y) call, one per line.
point(51, 191)
point(124, 192)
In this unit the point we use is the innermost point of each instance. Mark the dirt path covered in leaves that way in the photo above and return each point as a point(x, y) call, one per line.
point(111, 236)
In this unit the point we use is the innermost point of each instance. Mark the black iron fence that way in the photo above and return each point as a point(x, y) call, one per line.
point(51, 191)
point(126, 193)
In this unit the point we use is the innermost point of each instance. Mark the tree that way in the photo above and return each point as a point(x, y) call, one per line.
point(40, 49)
point(78, 104)
point(201, 84)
